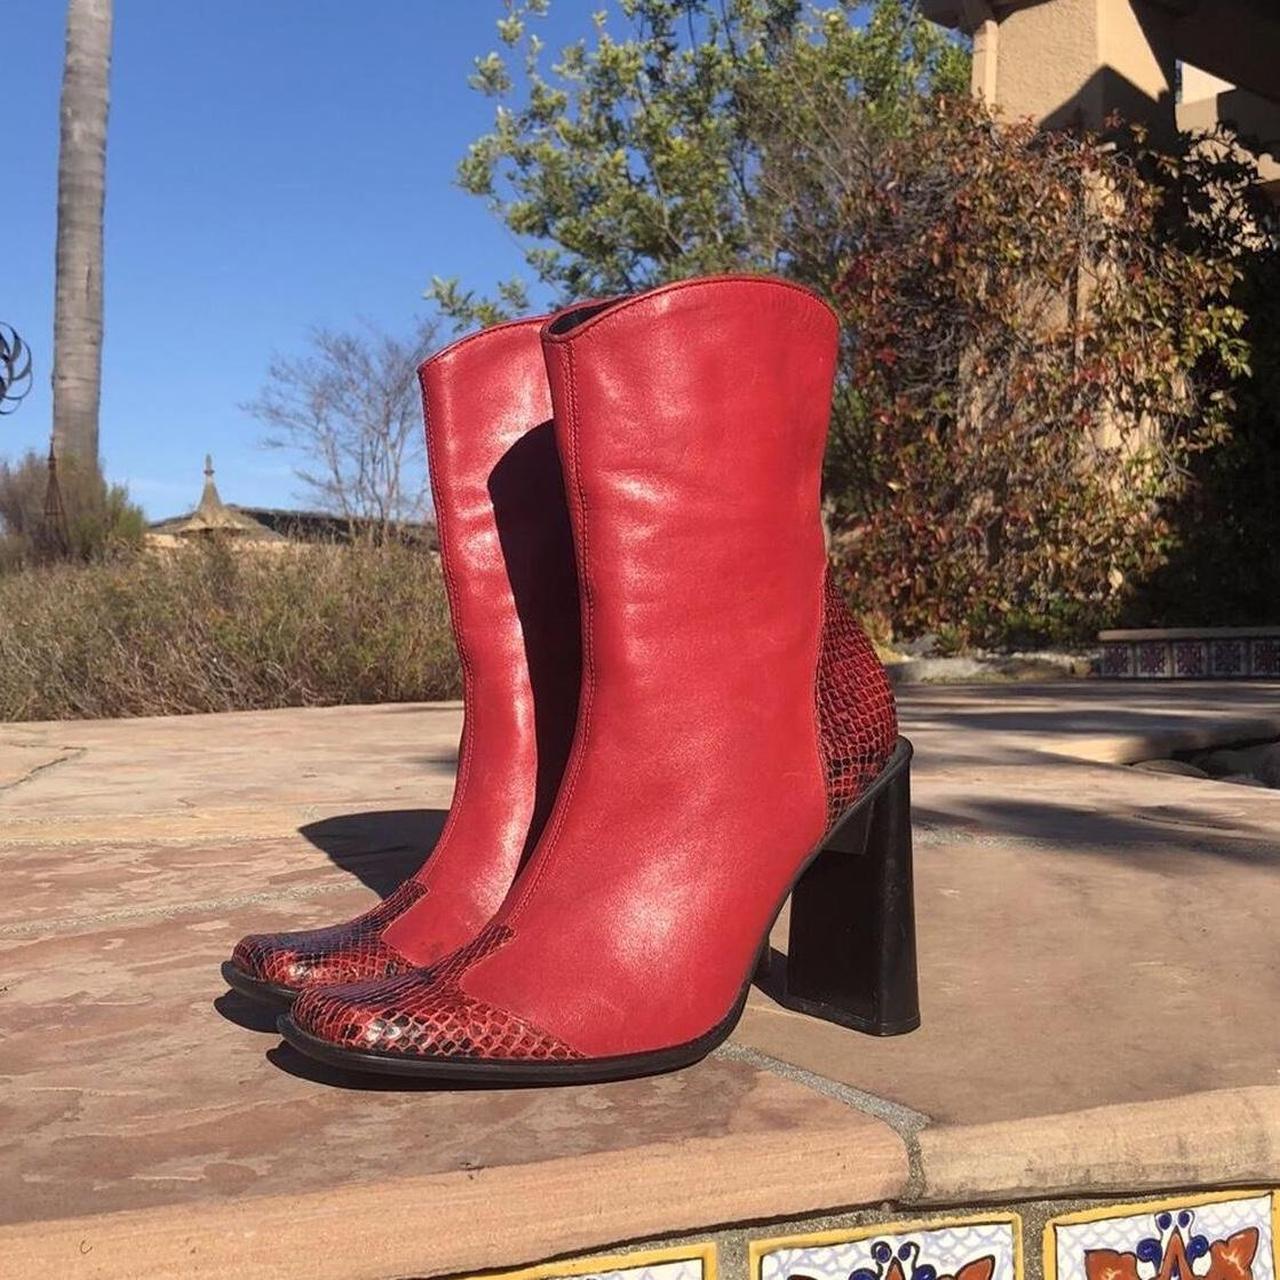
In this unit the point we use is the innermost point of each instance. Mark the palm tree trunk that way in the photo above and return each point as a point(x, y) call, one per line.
point(82, 162)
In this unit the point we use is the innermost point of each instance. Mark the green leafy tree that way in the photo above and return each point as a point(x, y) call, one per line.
point(633, 159)
point(1043, 342)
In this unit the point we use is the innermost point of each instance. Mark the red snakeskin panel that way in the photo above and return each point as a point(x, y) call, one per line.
point(350, 952)
point(426, 1014)
point(857, 720)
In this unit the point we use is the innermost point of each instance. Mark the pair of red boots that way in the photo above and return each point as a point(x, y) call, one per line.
point(672, 719)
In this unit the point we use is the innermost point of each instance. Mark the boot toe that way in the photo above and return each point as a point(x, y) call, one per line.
point(413, 1016)
point(295, 961)
point(268, 957)
point(350, 952)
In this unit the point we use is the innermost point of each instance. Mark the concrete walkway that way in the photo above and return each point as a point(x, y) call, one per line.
point(1100, 966)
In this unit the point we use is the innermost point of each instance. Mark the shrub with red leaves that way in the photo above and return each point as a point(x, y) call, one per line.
point(1041, 337)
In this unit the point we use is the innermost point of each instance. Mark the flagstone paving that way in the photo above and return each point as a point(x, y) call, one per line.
point(1100, 975)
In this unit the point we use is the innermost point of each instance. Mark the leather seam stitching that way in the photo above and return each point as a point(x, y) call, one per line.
point(454, 347)
point(589, 327)
point(445, 539)
point(819, 745)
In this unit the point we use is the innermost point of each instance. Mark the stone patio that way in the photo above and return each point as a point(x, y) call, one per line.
point(1100, 966)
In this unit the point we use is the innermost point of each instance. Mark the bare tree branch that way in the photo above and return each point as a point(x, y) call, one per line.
point(350, 408)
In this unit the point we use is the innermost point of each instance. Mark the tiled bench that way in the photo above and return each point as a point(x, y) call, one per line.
point(1192, 653)
point(1224, 1235)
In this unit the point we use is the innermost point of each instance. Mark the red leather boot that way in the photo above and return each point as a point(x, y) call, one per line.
point(736, 737)
point(506, 551)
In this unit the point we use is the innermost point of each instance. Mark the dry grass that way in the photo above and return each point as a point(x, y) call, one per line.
point(206, 629)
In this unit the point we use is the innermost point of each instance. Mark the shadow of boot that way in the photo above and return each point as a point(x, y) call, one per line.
point(381, 849)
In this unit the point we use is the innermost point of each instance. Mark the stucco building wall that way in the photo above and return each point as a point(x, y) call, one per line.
point(1074, 62)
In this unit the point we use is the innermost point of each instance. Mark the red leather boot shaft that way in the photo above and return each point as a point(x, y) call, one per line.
point(691, 423)
point(507, 556)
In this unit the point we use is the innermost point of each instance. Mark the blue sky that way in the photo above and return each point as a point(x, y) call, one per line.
point(270, 166)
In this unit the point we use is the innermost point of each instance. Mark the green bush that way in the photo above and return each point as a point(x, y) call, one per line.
point(1223, 565)
point(209, 628)
point(101, 519)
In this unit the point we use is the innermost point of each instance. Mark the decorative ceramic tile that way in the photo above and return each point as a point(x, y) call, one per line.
point(1190, 658)
point(1153, 659)
point(689, 1262)
point(988, 1248)
point(1219, 654)
point(1117, 661)
point(1223, 1236)
point(1228, 657)
point(1265, 660)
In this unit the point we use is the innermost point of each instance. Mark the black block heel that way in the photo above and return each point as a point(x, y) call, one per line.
point(852, 952)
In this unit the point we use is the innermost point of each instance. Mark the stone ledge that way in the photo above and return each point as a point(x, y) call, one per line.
point(1042, 1061)
point(1129, 748)
point(1227, 1137)
point(480, 1219)
point(475, 1220)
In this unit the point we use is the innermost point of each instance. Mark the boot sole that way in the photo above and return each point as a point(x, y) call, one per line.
point(566, 1071)
point(255, 988)
point(491, 1071)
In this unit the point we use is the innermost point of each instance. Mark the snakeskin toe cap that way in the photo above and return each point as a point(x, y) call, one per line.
point(413, 1016)
point(426, 1014)
point(348, 952)
point(298, 960)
